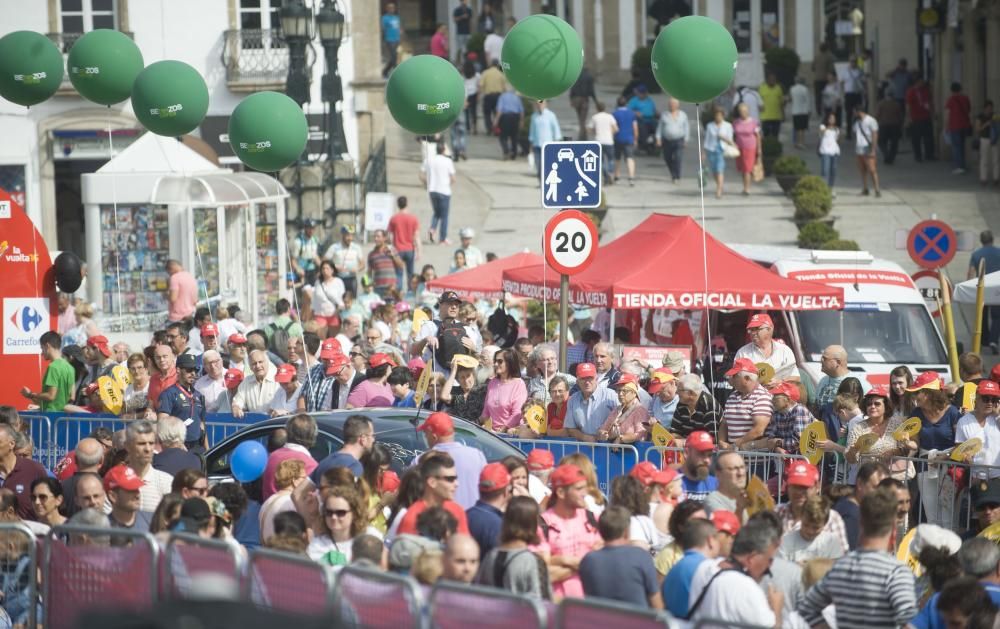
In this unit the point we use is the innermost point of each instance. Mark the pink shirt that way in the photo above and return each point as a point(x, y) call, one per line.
point(67, 319)
point(285, 453)
point(369, 393)
point(636, 422)
point(570, 538)
point(187, 296)
point(504, 401)
point(439, 45)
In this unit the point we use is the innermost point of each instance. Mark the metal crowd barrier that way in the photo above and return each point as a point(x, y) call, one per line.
point(579, 613)
point(39, 429)
point(289, 583)
point(942, 500)
point(455, 606)
point(189, 557)
point(610, 459)
point(67, 431)
point(19, 565)
point(376, 600)
point(82, 573)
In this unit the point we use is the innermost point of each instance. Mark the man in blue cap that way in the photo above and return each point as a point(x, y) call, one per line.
point(182, 401)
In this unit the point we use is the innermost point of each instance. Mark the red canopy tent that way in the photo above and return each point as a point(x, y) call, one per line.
point(660, 264)
point(484, 281)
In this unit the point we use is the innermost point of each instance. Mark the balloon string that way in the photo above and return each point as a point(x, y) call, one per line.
point(704, 257)
point(114, 206)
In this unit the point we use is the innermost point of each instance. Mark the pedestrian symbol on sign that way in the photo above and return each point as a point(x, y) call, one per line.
point(571, 175)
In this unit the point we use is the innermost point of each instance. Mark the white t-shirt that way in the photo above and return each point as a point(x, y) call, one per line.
point(282, 403)
point(439, 170)
point(492, 46)
point(215, 392)
point(968, 428)
point(862, 128)
point(799, 95)
point(733, 597)
point(796, 548)
point(472, 85)
point(603, 125)
point(828, 140)
point(781, 358)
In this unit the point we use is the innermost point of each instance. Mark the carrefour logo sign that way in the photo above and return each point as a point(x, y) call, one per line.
point(25, 320)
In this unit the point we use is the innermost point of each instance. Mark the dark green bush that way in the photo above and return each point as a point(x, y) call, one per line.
point(814, 235)
point(790, 165)
point(812, 198)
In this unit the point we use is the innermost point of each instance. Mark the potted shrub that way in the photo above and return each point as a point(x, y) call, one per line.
point(784, 63)
point(812, 199)
point(788, 169)
point(839, 244)
point(642, 68)
point(815, 234)
point(770, 151)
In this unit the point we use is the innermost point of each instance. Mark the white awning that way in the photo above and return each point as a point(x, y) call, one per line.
point(217, 189)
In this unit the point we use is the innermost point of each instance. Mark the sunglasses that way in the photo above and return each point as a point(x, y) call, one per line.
point(989, 399)
point(337, 513)
point(447, 479)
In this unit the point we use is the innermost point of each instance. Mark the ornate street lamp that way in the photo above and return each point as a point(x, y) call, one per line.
point(331, 27)
point(297, 30)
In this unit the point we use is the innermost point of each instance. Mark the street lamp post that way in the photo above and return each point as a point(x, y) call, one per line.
point(297, 30)
point(330, 24)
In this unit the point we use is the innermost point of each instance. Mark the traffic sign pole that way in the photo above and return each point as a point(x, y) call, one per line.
point(563, 319)
point(570, 244)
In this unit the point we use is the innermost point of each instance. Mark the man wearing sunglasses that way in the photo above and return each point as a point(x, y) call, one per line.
point(440, 482)
point(981, 422)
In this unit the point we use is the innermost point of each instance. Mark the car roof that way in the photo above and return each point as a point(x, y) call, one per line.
point(383, 419)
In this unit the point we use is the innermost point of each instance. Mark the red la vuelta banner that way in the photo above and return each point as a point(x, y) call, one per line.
point(27, 301)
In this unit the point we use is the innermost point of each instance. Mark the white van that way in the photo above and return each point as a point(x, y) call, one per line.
point(885, 321)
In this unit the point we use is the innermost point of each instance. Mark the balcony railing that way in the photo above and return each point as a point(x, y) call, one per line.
point(257, 59)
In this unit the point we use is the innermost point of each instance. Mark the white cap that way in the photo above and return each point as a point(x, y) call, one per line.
point(467, 232)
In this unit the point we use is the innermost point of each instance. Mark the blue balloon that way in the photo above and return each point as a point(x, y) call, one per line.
point(248, 461)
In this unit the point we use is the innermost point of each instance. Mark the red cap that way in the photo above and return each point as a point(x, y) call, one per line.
point(493, 477)
point(237, 339)
point(337, 362)
point(995, 373)
point(566, 475)
point(377, 360)
point(90, 388)
point(439, 424)
point(742, 364)
point(644, 472)
point(586, 370)
point(803, 474)
point(330, 349)
point(665, 476)
point(209, 329)
point(390, 481)
point(626, 378)
point(700, 440)
point(726, 521)
point(540, 460)
point(124, 477)
point(927, 380)
point(988, 387)
point(416, 367)
point(879, 390)
point(788, 389)
point(285, 374)
point(101, 343)
point(760, 320)
point(233, 378)
point(660, 377)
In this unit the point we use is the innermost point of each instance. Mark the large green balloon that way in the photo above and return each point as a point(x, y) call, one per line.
point(425, 94)
point(170, 98)
point(542, 56)
point(694, 59)
point(31, 67)
point(103, 65)
point(268, 131)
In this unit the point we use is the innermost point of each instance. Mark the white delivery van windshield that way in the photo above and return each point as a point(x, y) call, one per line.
point(896, 334)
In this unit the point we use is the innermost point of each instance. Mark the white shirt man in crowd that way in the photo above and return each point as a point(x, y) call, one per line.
point(255, 393)
point(348, 258)
point(590, 406)
point(286, 398)
point(762, 348)
point(982, 422)
point(749, 408)
point(140, 443)
point(212, 385)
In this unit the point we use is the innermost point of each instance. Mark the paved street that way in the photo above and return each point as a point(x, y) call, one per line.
point(502, 201)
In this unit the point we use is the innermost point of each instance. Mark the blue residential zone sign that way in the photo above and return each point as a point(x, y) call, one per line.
point(571, 175)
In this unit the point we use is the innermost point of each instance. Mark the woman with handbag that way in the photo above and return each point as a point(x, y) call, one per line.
point(746, 131)
point(718, 139)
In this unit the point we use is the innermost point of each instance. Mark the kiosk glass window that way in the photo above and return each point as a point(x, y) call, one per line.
point(206, 233)
point(136, 249)
point(268, 277)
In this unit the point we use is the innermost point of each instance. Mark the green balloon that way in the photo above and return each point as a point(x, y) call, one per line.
point(31, 67)
point(170, 98)
point(103, 65)
point(268, 131)
point(425, 94)
point(542, 56)
point(694, 59)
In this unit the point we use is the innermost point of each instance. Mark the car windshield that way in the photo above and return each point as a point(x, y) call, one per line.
point(882, 333)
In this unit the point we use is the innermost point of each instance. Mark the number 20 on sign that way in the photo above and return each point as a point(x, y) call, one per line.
point(570, 242)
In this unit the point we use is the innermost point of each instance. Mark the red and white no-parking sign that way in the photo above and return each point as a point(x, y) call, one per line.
point(929, 285)
point(570, 242)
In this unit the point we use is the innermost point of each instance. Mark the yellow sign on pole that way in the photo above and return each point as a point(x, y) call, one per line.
point(534, 416)
point(110, 394)
point(422, 384)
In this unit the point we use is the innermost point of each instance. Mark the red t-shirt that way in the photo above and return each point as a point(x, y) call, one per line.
point(409, 522)
point(959, 108)
point(556, 417)
point(403, 227)
point(158, 384)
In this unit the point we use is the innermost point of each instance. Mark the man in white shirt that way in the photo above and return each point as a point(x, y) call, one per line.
point(799, 95)
point(492, 46)
point(981, 422)
point(212, 385)
point(255, 393)
point(140, 441)
point(348, 332)
point(286, 398)
point(473, 256)
point(604, 127)
point(438, 173)
point(726, 589)
point(762, 348)
point(348, 258)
